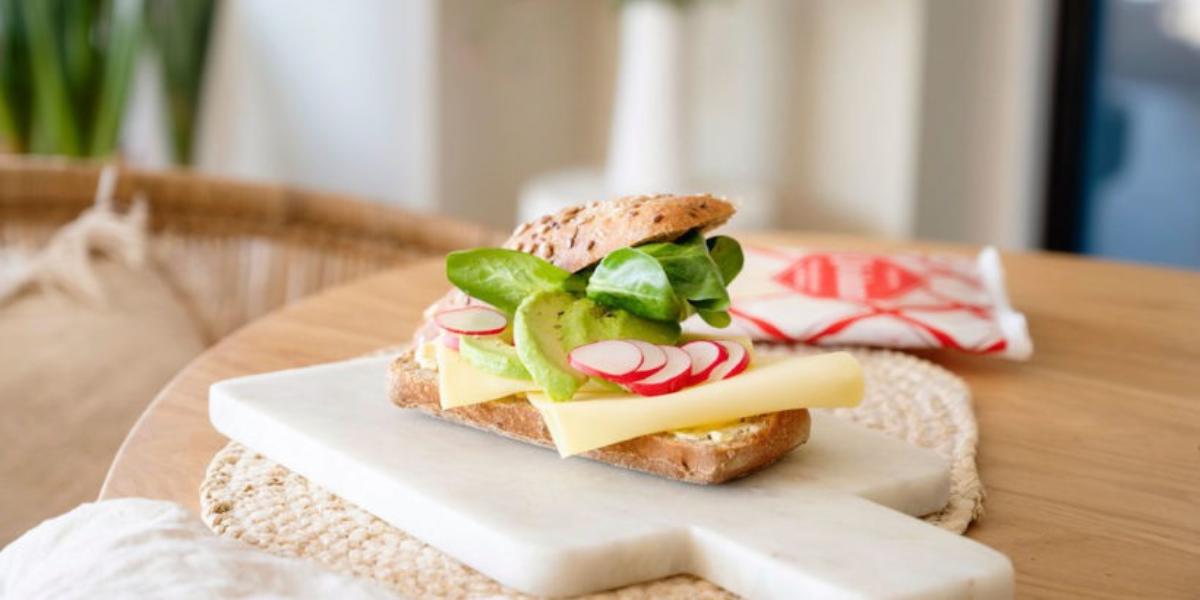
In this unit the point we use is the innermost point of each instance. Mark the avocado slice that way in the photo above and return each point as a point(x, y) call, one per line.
point(548, 325)
point(538, 334)
point(585, 322)
point(491, 355)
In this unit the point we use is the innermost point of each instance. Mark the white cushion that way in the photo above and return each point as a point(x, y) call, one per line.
point(138, 548)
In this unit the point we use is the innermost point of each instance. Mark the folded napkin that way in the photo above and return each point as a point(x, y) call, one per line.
point(796, 295)
point(138, 548)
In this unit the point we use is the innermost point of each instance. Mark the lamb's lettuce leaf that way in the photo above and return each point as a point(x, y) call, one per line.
point(727, 253)
point(662, 281)
point(692, 272)
point(699, 272)
point(503, 278)
point(633, 280)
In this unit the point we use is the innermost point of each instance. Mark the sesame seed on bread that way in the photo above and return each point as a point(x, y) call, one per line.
point(579, 236)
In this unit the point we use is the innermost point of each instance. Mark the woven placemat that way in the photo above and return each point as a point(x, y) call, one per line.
point(249, 497)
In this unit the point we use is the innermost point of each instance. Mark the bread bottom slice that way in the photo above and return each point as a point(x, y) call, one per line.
point(695, 459)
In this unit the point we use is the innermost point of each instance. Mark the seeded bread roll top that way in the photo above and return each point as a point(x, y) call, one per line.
point(580, 236)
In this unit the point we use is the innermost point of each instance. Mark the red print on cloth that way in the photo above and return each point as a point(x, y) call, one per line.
point(836, 298)
point(848, 276)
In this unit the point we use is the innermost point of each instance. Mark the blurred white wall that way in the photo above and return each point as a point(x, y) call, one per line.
point(854, 135)
point(523, 87)
point(817, 99)
point(983, 119)
point(330, 96)
point(444, 105)
point(888, 117)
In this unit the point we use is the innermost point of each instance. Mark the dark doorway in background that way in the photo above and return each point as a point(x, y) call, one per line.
point(1124, 172)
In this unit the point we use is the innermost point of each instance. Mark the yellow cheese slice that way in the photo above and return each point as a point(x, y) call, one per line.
point(821, 381)
point(461, 384)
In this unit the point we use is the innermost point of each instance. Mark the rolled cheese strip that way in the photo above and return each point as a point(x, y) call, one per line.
point(822, 381)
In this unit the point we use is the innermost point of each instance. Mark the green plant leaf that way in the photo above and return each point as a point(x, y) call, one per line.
point(503, 278)
point(66, 67)
point(180, 30)
point(120, 54)
point(79, 24)
point(53, 128)
point(664, 281)
point(14, 79)
point(635, 281)
point(716, 318)
point(726, 252)
point(691, 270)
point(577, 282)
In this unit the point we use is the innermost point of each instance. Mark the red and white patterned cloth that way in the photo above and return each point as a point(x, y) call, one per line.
point(889, 300)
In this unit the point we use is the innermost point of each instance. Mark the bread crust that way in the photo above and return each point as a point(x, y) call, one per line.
point(577, 237)
point(573, 239)
point(664, 454)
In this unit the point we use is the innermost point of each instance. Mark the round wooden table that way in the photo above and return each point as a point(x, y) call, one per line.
point(1090, 451)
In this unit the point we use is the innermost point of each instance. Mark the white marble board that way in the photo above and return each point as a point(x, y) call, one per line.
point(828, 521)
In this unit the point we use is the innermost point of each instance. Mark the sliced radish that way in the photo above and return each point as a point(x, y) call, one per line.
point(672, 377)
point(449, 340)
point(614, 360)
point(653, 359)
point(735, 363)
point(706, 355)
point(471, 320)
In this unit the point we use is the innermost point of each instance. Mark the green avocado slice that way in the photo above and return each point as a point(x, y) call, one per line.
point(538, 334)
point(548, 325)
point(586, 321)
point(491, 355)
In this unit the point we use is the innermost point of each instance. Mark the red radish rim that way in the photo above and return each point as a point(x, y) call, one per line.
point(700, 371)
point(499, 322)
point(738, 360)
point(653, 360)
point(672, 377)
point(742, 364)
point(681, 360)
point(617, 372)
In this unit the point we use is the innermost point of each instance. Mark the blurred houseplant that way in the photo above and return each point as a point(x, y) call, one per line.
point(66, 68)
point(179, 30)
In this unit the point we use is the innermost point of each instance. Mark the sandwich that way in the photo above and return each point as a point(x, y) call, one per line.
point(569, 337)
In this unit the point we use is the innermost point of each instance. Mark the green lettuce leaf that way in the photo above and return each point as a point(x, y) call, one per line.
point(727, 254)
point(662, 281)
point(635, 281)
point(692, 272)
point(503, 278)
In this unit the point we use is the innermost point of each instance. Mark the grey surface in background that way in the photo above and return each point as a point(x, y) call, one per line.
point(1145, 200)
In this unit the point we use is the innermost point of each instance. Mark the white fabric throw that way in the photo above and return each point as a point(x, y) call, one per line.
point(65, 263)
point(139, 548)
